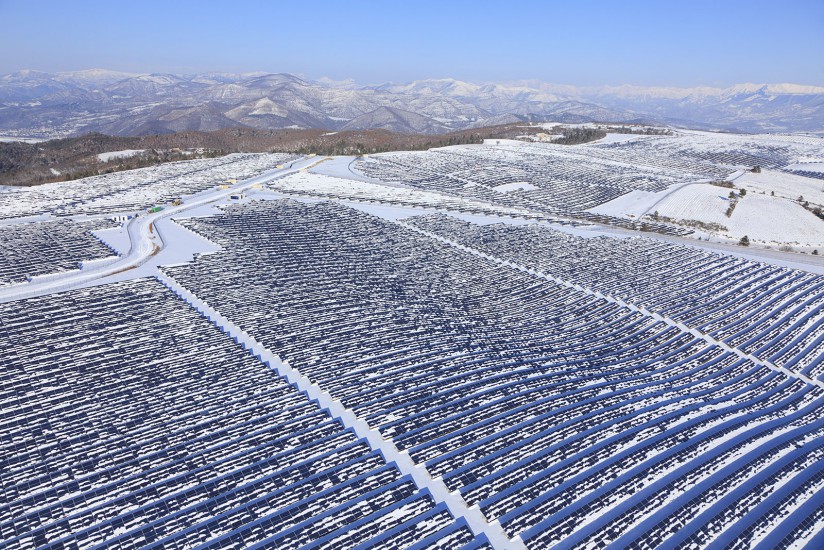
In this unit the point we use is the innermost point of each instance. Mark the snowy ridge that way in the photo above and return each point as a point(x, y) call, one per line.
point(128, 104)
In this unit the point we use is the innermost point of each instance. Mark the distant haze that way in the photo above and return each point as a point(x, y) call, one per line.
point(646, 43)
point(39, 104)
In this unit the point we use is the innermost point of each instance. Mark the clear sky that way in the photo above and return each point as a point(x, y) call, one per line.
point(665, 42)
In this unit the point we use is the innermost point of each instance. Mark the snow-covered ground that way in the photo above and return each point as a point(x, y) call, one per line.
point(622, 138)
point(328, 186)
point(632, 204)
point(632, 313)
point(341, 167)
point(492, 142)
point(807, 167)
point(117, 238)
point(770, 213)
point(12, 139)
point(516, 186)
point(126, 153)
point(763, 218)
point(785, 185)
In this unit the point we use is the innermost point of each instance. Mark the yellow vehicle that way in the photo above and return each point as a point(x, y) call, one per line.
point(177, 202)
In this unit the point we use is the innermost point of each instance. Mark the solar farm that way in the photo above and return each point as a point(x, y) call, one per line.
point(461, 348)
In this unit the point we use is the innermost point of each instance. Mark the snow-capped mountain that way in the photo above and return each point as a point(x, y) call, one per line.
point(396, 120)
point(42, 104)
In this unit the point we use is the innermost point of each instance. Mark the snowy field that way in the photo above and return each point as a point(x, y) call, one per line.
point(113, 155)
point(788, 186)
point(590, 175)
point(516, 186)
point(808, 167)
point(769, 214)
point(763, 218)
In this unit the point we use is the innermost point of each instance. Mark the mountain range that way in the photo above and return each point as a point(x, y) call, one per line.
point(39, 104)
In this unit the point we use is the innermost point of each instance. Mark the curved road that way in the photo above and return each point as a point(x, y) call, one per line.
point(145, 240)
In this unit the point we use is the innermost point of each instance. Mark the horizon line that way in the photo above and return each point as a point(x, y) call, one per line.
point(321, 79)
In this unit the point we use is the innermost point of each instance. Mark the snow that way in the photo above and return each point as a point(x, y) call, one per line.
point(266, 106)
point(621, 138)
point(12, 139)
point(116, 238)
point(807, 167)
point(688, 200)
point(789, 186)
point(126, 153)
point(702, 202)
point(778, 221)
point(328, 186)
point(782, 88)
point(341, 167)
point(54, 172)
point(501, 142)
point(183, 244)
point(632, 204)
point(515, 186)
point(553, 125)
point(770, 220)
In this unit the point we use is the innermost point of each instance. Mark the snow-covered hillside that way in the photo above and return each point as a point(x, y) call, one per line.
point(44, 105)
point(763, 218)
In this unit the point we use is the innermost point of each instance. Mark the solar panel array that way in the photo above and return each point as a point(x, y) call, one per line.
point(128, 420)
point(134, 190)
point(32, 249)
point(576, 392)
point(771, 312)
point(568, 181)
point(571, 418)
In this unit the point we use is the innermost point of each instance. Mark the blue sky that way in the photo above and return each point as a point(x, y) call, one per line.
point(670, 43)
